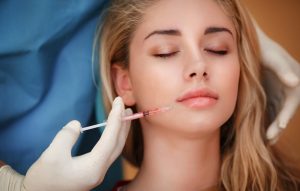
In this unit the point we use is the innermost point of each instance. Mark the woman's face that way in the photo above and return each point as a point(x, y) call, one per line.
point(183, 54)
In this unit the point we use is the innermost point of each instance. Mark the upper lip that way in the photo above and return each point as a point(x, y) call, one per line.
point(200, 92)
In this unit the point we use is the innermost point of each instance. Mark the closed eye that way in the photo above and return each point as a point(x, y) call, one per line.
point(217, 52)
point(166, 55)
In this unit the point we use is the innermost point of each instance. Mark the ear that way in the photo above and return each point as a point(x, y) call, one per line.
point(122, 84)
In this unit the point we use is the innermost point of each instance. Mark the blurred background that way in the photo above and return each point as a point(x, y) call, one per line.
point(281, 21)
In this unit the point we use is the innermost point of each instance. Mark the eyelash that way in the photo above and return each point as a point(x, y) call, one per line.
point(217, 52)
point(167, 55)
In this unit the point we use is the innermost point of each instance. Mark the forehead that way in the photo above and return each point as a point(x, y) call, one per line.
point(184, 15)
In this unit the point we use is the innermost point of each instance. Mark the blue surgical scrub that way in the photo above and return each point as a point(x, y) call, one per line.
point(46, 76)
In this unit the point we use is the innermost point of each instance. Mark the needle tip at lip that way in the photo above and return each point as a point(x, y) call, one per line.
point(201, 92)
point(159, 110)
point(167, 108)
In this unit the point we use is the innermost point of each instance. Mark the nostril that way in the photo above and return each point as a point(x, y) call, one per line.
point(193, 74)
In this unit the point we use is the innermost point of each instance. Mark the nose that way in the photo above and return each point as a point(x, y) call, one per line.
point(196, 70)
point(194, 75)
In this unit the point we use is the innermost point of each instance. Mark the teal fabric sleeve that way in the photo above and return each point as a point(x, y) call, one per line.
point(46, 76)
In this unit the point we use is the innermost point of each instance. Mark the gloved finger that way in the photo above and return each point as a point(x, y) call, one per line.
point(66, 138)
point(108, 140)
point(274, 60)
point(122, 137)
point(10, 179)
point(125, 129)
point(273, 132)
point(277, 58)
point(294, 79)
point(289, 108)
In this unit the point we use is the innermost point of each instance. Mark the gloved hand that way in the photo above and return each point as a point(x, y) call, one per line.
point(281, 78)
point(57, 170)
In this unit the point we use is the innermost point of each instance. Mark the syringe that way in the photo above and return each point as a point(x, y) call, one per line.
point(130, 117)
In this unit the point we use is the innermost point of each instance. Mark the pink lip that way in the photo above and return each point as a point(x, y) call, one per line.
point(198, 98)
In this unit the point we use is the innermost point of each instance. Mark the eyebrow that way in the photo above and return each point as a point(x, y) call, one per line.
point(172, 32)
point(175, 32)
point(211, 30)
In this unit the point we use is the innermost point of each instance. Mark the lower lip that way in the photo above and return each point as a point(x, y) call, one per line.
point(199, 102)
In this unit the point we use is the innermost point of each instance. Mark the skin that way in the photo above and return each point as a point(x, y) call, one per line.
point(181, 145)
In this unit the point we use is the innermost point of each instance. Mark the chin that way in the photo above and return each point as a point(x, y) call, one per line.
point(194, 128)
point(201, 127)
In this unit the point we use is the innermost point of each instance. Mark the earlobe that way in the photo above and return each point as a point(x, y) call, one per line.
point(122, 84)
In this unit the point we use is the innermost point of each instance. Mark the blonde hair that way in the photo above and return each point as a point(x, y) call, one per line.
point(248, 162)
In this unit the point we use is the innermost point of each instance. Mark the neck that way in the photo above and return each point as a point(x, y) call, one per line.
point(173, 162)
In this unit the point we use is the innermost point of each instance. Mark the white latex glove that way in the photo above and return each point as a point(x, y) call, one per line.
point(57, 170)
point(281, 81)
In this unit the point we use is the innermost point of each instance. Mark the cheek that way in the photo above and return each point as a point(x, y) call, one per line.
point(228, 87)
point(153, 84)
